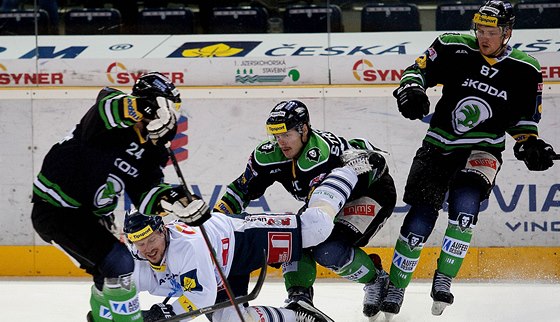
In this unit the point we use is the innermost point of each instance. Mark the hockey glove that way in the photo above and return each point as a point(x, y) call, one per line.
point(195, 213)
point(158, 312)
point(357, 160)
point(147, 106)
point(536, 153)
point(412, 101)
point(164, 127)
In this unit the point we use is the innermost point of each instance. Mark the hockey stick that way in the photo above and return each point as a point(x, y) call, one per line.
point(218, 306)
point(556, 157)
point(203, 231)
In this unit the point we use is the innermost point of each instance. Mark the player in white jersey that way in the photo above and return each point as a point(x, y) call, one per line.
point(173, 259)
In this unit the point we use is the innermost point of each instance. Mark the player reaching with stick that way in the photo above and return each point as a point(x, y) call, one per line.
point(173, 261)
point(117, 147)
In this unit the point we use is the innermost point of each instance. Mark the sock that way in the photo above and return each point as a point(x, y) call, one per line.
point(360, 269)
point(121, 294)
point(453, 249)
point(404, 263)
point(301, 273)
point(99, 306)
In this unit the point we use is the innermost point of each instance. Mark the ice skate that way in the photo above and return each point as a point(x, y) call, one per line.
point(441, 293)
point(391, 305)
point(298, 293)
point(374, 293)
point(306, 312)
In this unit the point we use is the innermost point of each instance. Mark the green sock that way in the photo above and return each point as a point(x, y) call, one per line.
point(123, 299)
point(301, 273)
point(99, 306)
point(453, 250)
point(361, 269)
point(404, 263)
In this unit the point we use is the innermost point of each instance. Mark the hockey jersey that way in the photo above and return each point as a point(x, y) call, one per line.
point(104, 156)
point(267, 164)
point(186, 271)
point(483, 98)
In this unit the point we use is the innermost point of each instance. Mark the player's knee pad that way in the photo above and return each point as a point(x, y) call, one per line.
point(316, 226)
point(332, 254)
point(418, 224)
point(118, 262)
point(480, 171)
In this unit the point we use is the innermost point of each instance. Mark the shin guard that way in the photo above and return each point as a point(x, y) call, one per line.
point(360, 269)
point(120, 293)
point(301, 273)
point(405, 260)
point(100, 311)
point(453, 249)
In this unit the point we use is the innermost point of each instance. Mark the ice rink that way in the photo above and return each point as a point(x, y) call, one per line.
point(66, 300)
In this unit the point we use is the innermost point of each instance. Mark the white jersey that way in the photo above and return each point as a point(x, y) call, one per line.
point(187, 272)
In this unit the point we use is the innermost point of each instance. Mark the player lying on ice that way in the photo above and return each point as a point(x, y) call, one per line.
point(173, 260)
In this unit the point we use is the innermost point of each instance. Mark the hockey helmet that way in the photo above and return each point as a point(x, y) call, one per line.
point(287, 115)
point(138, 226)
point(155, 84)
point(495, 13)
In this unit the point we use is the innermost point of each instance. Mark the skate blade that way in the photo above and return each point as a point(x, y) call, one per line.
point(312, 308)
point(438, 307)
point(375, 317)
point(389, 316)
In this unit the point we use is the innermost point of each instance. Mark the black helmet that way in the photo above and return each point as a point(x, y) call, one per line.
point(154, 84)
point(495, 13)
point(138, 226)
point(287, 115)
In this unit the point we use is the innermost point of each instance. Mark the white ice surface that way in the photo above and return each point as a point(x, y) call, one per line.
point(67, 300)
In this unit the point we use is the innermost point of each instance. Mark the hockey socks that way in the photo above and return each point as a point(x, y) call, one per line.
point(100, 311)
point(121, 295)
point(454, 249)
point(405, 259)
point(301, 273)
point(360, 269)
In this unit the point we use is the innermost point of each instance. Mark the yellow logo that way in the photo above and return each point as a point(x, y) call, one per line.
point(485, 20)
point(141, 234)
point(218, 50)
point(276, 128)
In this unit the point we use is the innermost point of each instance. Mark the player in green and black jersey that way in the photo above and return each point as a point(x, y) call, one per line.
point(489, 90)
point(300, 158)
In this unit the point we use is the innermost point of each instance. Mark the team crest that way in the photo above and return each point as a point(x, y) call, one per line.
point(189, 281)
point(313, 154)
point(266, 148)
point(414, 240)
point(470, 112)
point(465, 221)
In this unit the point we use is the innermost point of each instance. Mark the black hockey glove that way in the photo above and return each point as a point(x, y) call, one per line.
point(412, 101)
point(147, 106)
point(158, 312)
point(536, 153)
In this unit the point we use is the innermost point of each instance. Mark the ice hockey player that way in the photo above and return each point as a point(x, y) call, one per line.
point(300, 157)
point(173, 260)
point(117, 147)
point(484, 98)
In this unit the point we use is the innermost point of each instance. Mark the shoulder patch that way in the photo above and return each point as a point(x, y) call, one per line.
point(317, 151)
point(189, 281)
point(269, 152)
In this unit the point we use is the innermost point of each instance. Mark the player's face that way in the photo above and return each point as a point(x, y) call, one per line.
point(152, 247)
point(490, 39)
point(290, 142)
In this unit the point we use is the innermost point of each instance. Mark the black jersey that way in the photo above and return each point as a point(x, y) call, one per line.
point(482, 98)
point(104, 156)
point(267, 164)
